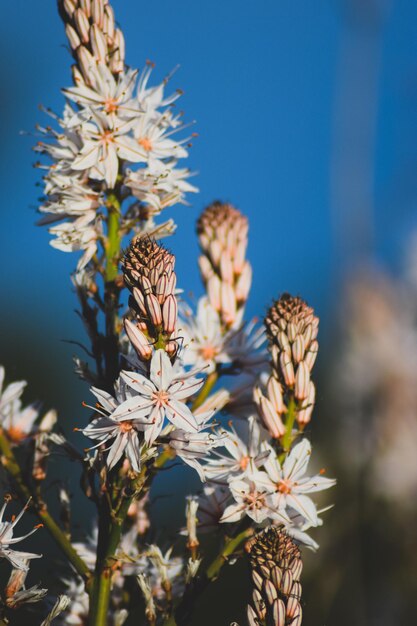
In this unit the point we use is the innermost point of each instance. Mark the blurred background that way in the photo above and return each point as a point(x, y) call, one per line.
point(307, 121)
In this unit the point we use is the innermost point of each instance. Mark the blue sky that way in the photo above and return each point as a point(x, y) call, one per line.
point(288, 98)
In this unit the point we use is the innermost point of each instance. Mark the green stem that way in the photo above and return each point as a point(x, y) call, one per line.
point(101, 588)
point(287, 439)
point(111, 291)
point(12, 467)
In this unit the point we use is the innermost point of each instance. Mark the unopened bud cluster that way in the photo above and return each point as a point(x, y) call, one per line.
point(227, 275)
point(149, 274)
point(93, 36)
point(292, 329)
point(276, 566)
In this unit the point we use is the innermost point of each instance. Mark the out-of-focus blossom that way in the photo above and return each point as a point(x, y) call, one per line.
point(19, 560)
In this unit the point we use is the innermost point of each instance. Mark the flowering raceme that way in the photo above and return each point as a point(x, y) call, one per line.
point(229, 398)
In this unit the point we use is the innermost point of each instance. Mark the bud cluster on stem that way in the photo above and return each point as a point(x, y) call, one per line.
point(148, 270)
point(276, 566)
point(93, 36)
point(291, 328)
point(223, 235)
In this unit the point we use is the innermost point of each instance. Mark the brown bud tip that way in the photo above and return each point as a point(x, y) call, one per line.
point(146, 258)
point(276, 566)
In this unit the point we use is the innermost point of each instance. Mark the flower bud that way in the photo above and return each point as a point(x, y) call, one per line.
point(170, 314)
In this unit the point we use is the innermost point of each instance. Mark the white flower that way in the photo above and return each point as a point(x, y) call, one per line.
point(207, 343)
point(192, 447)
point(105, 141)
point(159, 185)
point(203, 337)
point(152, 98)
point(106, 93)
point(211, 506)
point(160, 396)
point(17, 559)
point(124, 435)
point(79, 234)
point(291, 485)
point(153, 142)
point(245, 346)
point(239, 454)
point(19, 422)
point(67, 194)
point(253, 500)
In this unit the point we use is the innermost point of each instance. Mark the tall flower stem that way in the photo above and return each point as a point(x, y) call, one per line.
point(106, 555)
point(111, 290)
point(12, 467)
point(287, 439)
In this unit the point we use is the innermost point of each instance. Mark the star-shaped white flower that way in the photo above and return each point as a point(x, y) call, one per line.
point(17, 559)
point(291, 484)
point(123, 434)
point(107, 94)
point(159, 396)
point(239, 454)
point(254, 500)
point(203, 337)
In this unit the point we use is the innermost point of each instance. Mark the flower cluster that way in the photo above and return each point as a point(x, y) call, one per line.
point(112, 120)
point(223, 236)
point(160, 373)
point(148, 271)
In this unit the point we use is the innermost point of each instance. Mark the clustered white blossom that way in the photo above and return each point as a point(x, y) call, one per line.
point(17, 421)
point(110, 123)
point(159, 370)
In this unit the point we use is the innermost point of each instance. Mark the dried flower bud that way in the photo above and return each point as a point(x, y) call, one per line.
point(223, 236)
point(276, 567)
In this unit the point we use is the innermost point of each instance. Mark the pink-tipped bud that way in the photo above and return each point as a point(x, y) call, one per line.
point(215, 252)
point(214, 292)
point(287, 369)
point(69, 6)
point(140, 299)
point(82, 25)
point(170, 314)
point(226, 269)
point(243, 284)
point(138, 340)
point(206, 268)
point(97, 12)
point(302, 381)
point(228, 304)
point(298, 349)
point(161, 288)
point(154, 309)
point(85, 62)
point(108, 22)
point(270, 418)
point(98, 44)
point(275, 395)
point(74, 40)
point(305, 413)
point(311, 355)
point(85, 6)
